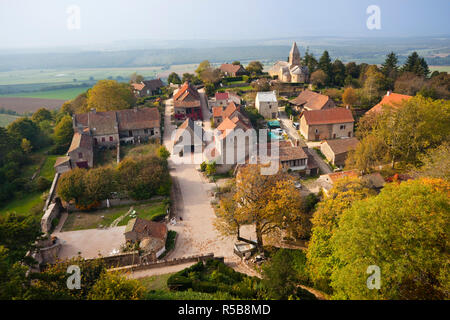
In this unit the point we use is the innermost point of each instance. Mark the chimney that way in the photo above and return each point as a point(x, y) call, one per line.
point(388, 93)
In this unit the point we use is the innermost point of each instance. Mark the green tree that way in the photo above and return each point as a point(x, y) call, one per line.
point(174, 78)
point(326, 66)
point(112, 286)
point(41, 115)
point(403, 231)
point(163, 153)
point(349, 97)
point(109, 95)
point(63, 132)
point(390, 66)
point(310, 61)
point(25, 128)
point(26, 146)
point(202, 67)
point(71, 185)
point(325, 222)
point(417, 65)
point(255, 67)
point(338, 69)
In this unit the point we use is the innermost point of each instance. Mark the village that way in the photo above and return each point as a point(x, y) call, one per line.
point(175, 179)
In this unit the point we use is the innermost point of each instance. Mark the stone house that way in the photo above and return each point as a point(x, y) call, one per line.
point(147, 88)
point(219, 113)
point(107, 129)
point(327, 124)
point(231, 70)
point(186, 102)
point(110, 127)
point(222, 99)
point(267, 104)
point(336, 151)
point(309, 100)
point(188, 137)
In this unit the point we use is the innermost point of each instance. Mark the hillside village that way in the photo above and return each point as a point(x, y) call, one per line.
point(154, 176)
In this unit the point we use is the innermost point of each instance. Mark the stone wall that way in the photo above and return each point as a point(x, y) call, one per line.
point(166, 263)
point(52, 191)
point(121, 260)
point(113, 203)
point(52, 212)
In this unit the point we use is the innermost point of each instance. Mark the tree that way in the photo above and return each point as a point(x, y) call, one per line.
point(373, 83)
point(99, 184)
point(255, 67)
point(236, 63)
point(409, 83)
point(318, 78)
point(435, 163)
point(112, 286)
point(338, 69)
point(109, 95)
point(163, 153)
point(326, 66)
point(325, 223)
point(269, 202)
point(403, 231)
point(41, 115)
point(310, 61)
point(24, 128)
point(136, 78)
point(71, 185)
point(26, 146)
point(202, 67)
point(390, 66)
point(349, 97)
point(174, 78)
point(280, 276)
point(210, 75)
point(417, 65)
point(352, 69)
point(64, 131)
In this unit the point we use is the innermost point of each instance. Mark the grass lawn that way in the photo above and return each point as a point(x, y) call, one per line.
point(58, 94)
point(156, 282)
point(92, 220)
point(23, 205)
point(6, 119)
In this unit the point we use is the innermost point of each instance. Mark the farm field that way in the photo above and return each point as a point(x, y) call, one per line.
point(440, 68)
point(24, 105)
point(58, 94)
point(6, 119)
point(67, 76)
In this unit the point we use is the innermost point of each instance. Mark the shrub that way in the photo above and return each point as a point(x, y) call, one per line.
point(41, 184)
point(179, 283)
point(203, 166)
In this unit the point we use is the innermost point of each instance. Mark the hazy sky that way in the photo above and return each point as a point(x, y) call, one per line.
point(30, 23)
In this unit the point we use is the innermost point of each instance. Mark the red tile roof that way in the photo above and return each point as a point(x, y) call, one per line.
point(339, 175)
point(138, 118)
point(230, 68)
point(328, 116)
point(339, 146)
point(217, 112)
point(186, 97)
point(392, 99)
point(311, 100)
point(221, 96)
point(80, 141)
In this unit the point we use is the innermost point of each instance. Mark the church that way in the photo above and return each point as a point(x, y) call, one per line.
point(292, 70)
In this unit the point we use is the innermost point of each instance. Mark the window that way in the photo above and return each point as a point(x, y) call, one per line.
point(317, 131)
point(80, 155)
point(343, 127)
point(146, 131)
point(103, 139)
point(111, 139)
